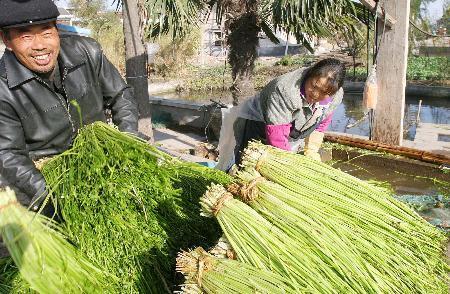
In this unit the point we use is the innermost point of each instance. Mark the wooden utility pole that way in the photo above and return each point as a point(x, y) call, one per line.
point(391, 74)
point(136, 64)
point(371, 5)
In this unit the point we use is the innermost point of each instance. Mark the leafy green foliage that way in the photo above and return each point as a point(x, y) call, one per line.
point(419, 68)
point(199, 79)
point(206, 78)
point(302, 18)
point(174, 17)
point(10, 279)
point(428, 68)
point(129, 207)
point(311, 18)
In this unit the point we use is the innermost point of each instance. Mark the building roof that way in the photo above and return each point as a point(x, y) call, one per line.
point(63, 12)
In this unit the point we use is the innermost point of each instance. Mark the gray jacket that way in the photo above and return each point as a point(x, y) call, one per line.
point(280, 102)
point(37, 121)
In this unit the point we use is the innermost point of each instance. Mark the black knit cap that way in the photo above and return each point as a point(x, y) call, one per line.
point(18, 13)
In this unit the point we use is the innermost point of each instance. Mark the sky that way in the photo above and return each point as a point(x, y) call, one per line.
point(65, 3)
point(435, 9)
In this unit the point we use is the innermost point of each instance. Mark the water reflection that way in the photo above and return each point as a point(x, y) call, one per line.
point(433, 110)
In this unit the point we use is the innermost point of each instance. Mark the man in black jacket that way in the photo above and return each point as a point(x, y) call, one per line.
point(43, 80)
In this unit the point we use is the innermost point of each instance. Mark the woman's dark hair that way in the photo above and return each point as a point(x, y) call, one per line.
point(331, 68)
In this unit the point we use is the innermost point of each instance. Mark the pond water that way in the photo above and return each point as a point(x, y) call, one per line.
point(433, 110)
point(426, 190)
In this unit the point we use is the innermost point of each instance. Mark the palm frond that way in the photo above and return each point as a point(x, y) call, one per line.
point(267, 28)
point(307, 18)
point(304, 18)
point(174, 16)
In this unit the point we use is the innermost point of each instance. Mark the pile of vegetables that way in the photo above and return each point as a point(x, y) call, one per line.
point(324, 230)
point(45, 259)
point(129, 207)
point(293, 224)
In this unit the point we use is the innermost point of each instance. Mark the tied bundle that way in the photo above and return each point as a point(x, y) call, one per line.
point(319, 236)
point(207, 274)
point(256, 241)
point(371, 241)
point(46, 261)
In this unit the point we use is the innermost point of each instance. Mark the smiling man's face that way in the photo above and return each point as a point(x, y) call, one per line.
point(35, 46)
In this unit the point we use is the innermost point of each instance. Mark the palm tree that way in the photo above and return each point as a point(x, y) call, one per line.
point(245, 19)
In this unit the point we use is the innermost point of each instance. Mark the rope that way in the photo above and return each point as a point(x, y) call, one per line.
point(39, 164)
point(427, 33)
point(231, 254)
point(234, 188)
point(368, 41)
point(201, 265)
point(377, 44)
point(227, 196)
point(249, 192)
point(204, 265)
point(354, 124)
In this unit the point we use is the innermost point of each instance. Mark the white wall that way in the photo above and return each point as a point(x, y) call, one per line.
point(2, 48)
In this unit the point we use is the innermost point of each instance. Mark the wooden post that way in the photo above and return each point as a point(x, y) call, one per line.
point(371, 4)
point(391, 75)
point(136, 65)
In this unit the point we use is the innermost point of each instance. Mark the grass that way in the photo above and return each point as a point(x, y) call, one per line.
point(433, 70)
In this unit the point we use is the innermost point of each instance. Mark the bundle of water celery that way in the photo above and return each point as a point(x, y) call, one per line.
point(325, 231)
point(46, 261)
point(205, 273)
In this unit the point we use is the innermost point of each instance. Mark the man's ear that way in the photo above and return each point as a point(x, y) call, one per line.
point(5, 39)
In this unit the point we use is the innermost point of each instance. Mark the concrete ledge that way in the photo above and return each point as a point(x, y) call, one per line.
point(411, 90)
point(155, 100)
point(349, 87)
point(428, 91)
point(180, 112)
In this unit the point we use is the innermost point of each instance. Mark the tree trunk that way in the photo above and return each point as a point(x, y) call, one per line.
point(242, 40)
point(136, 65)
point(391, 75)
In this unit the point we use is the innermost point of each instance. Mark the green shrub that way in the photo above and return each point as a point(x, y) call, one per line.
point(106, 28)
point(428, 68)
point(207, 78)
point(288, 60)
point(174, 55)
